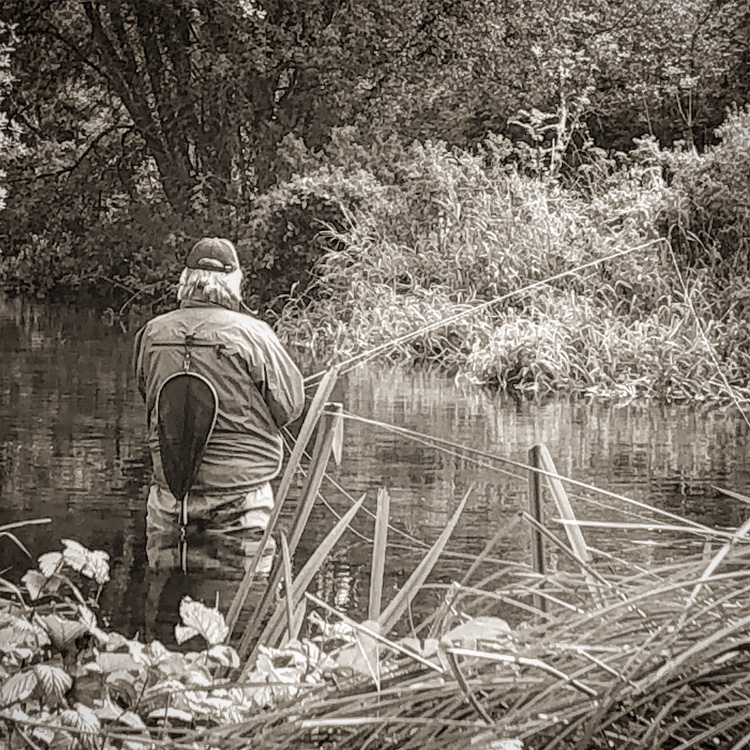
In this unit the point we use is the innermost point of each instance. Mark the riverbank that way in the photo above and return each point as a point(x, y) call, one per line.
point(623, 277)
point(629, 281)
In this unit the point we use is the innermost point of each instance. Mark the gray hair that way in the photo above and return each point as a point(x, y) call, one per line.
point(201, 285)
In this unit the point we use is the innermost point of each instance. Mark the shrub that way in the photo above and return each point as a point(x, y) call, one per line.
point(708, 214)
point(454, 231)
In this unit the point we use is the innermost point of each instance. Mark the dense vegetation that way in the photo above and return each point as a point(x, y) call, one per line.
point(384, 164)
point(437, 235)
point(591, 655)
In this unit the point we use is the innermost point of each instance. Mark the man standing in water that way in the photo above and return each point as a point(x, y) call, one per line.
point(257, 387)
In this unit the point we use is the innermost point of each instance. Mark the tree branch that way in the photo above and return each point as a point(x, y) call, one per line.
point(72, 168)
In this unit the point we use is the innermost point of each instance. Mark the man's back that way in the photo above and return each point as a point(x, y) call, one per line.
point(259, 389)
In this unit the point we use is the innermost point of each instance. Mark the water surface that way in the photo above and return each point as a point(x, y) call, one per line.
point(72, 423)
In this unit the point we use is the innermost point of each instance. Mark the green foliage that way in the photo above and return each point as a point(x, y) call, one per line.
point(709, 210)
point(428, 233)
point(140, 115)
point(145, 126)
point(8, 138)
point(65, 680)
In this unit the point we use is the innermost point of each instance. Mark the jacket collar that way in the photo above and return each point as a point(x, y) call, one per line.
point(187, 303)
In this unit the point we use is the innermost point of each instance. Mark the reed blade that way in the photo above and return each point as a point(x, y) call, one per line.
point(13, 538)
point(308, 426)
point(316, 472)
point(286, 562)
point(717, 560)
point(318, 557)
point(736, 495)
point(337, 446)
point(273, 630)
point(380, 542)
point(21, 524)
point(564, 508)
point(403, 598)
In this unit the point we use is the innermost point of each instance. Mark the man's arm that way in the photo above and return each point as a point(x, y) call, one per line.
point(282, 385)
point(138, 361)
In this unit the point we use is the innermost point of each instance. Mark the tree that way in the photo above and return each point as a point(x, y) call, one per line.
point(148, 115)
point(147, 122)
point(7, 139)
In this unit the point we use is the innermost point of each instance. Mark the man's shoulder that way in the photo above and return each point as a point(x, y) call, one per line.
point(222, 321)
point(253, 327)
point(159, 320)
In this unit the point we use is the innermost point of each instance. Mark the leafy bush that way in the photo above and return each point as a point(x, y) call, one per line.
point(444, 232)
point(67, 682)
point(708, 215)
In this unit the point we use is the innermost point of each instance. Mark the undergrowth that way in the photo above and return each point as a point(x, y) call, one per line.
point(605, 653)
point(439, 234)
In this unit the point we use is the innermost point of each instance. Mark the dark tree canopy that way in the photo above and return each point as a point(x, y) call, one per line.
point(147, 122)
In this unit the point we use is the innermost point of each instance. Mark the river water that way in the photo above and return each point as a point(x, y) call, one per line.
point(72, 423)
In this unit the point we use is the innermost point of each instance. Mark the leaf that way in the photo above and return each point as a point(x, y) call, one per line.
point(109, 663)
point(484, 628)
point(14, 714)
point(62, 632)
point(88, 618)
point(20, 631)
point(184, 633)
point(34, 582)
point(201, 620)
point(362, 656)
point(50, 563)
point(131, 720)
point(64, 741)
point(123, 686)
point(18, 688)
point(108, 711)
point(171, 713)
point(155, 653)
point(45, 734)
point(98, 566)
point(92, 564)
point(225, 655)
point(55, 682)
point(86, 722)
point(74, 554)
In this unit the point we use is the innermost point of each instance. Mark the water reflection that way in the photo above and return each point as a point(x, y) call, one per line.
point(71, 428)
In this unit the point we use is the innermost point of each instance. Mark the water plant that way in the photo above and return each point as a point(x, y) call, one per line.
point(636, 657)
point(595, 651)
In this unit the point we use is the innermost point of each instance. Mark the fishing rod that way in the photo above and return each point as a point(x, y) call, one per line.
point(362, 357)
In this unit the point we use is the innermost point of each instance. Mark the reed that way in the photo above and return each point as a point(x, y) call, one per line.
point(379, 546)
point(657, 664)
point(658, 659)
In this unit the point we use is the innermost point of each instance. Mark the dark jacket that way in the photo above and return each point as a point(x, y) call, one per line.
point(259, 389)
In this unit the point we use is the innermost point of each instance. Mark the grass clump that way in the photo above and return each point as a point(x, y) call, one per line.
point(621, 656)
point(438, 233)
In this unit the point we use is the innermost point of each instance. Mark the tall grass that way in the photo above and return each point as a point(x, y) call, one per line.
point(621, 657)
point(656, 659)
point(465, 229)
